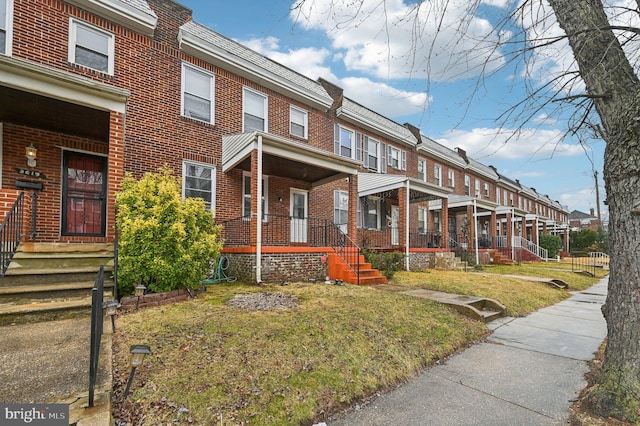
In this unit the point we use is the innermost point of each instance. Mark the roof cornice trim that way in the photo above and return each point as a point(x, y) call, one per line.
point(121, 13)
point(202, 49)
point(363, 121)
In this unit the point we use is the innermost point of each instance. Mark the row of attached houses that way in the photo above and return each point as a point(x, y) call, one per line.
point(300, 176)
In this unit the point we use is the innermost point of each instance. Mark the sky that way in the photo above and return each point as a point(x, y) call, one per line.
point(439, 71)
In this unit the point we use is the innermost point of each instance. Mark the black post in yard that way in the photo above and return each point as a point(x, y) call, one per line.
point(97, 314)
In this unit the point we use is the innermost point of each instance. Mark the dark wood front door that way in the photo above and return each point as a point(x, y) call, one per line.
point(84, 194)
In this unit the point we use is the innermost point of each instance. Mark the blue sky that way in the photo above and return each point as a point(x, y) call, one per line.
point(384, 67)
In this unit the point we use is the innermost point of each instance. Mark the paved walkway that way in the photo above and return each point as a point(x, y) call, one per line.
point(526, 373)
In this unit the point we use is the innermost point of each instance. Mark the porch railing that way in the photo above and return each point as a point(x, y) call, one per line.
point(531, 247)
point(11, 233)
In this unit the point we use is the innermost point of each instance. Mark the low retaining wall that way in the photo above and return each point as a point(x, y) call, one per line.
point(153, 299)
point(278, 267)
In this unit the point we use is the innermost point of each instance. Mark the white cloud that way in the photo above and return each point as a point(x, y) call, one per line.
point(486, 144)
point(395, 40)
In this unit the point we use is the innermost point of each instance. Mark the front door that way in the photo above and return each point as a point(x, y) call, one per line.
point(395, 225)
point(84, 194)
point(299, 216)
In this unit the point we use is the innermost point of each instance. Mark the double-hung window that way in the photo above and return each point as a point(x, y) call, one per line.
point(437, 174)
point(452, 178)
point(199, 182)
point(341, 209)
point(372, 159)
point(372, 212)
point(437, 223)
point(344, 142)
point(422, 169)
point(486, 190)
point(254, 111)
point(467, 185)
point(6, 7)
point(91, 47)
point(397, 158)
point(197, 93)
point(246, 196)
point(422, 220)
point(298, 122)
point(477, 192)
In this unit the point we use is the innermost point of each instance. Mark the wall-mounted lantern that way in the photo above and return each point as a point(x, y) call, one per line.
point(31, 153)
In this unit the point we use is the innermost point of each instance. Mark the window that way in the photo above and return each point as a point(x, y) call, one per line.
point(246, 196)
point(422, 220)
point(298, 119)
point(91, 47)
point(199, 182)
point(344, 142)
point(371, 208)
point(452, 179)
point(511, 200)
point(372, 153)
point(437, 224)
point(397, 158)
point(477, 191)
point(486, 190)
point(197, 94)
point(504, 198)
point(437, 174)
point(254, 105)
point(467, 185)
point(5, 26)
point(422, 169)
point(497, 195)
point(341, 209)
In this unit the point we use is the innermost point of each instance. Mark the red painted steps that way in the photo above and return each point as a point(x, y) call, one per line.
point(339, 270)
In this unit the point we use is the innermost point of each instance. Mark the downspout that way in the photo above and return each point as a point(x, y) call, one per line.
point(259, 214)
point(475, 228)
point(406, 228)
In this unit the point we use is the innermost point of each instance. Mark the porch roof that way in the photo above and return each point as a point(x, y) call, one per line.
point(457, 201)
point(376, 183)
point(285, 158)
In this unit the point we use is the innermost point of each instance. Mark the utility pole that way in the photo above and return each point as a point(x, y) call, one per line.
point(595, 175)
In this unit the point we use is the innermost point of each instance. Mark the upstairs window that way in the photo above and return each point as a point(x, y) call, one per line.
point(91, 47)
point(452, 178)
point(197, 94)
point(477, 192)
point(372, 154)
point(422, 169)
point(344, 142)
point(254, 111)
point(6, 7)
point(437, 174)
point(467, 185)
point(298, 122)
point(199, 182)
point(397, 158)
point(486, 190)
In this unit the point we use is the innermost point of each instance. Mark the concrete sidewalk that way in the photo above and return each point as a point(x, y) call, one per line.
point(527, 372)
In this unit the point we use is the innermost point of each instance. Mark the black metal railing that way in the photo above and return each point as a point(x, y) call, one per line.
point(11, 233)
point(581, 261)
point(97, 318)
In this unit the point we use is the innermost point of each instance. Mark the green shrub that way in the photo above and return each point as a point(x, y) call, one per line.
point(387, 262)
point(552, 243)
point(165, 242)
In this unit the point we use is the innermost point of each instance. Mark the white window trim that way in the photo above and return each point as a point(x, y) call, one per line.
point(423, 216)
point(265, 100)
point(337, 194)
point(265, 195)
point(437, 174)
point(402, 158)
point(213, 179)
point(377, 155)
point(451, 176)
point(338, 141)
point(424, 169)
point(9, 29)
point(486, 190)
point(306, 121)
point(73, 25)
point(212, 88)
point(467, 185)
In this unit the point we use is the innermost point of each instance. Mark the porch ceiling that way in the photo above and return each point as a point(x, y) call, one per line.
point(376, 183)
point(285, 158)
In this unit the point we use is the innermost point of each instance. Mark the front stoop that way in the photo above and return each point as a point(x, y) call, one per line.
point(339, 270)
point(53, 281)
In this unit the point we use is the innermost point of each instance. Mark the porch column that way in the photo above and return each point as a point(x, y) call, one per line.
point(115, 167)
point(509, 226)
point(566, 240)
point(352, 221)
point(403, 199)
point(253, 221)
point(534, 231)
point(444, 223)
point(471, 230)
point(544, 228)
point(493, 229)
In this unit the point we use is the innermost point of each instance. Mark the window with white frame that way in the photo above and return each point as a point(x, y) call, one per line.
point(422, 220)
point(498, 195)
point(372, 154)
point(505, 194)
point(520, 202)
point(486, 190)
point(467, 185)
point(452, 178)
point(437, 174)
point(397, 158)
point(477, 191)
point(299, 120)
point(6, 14)
point(246, 196)
point(511, 200)
point(91, 47)
point(197, 93)
point(198, 181)
point(422, 169)
point(371, 208)
point(340, 207)
point(254, 107)
point(344, 142)
point(437, 222)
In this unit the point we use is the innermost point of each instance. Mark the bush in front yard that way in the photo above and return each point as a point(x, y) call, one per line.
point(165, 242)
point(552, 243)
point(386, 262)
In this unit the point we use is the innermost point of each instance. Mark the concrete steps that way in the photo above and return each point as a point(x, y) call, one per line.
point(339, 270)
point(48, 281)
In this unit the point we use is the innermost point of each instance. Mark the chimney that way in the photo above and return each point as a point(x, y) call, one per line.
point(591, 211)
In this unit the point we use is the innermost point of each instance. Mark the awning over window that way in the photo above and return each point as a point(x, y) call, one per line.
point(376, 183)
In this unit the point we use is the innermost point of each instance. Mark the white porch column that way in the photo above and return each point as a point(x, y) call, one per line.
point(259, 215)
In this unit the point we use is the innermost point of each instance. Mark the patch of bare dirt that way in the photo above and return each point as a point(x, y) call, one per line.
point(264, 301)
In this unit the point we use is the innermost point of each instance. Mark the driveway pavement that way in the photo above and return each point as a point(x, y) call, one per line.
point(527, 372)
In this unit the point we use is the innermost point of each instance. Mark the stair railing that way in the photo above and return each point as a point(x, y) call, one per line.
point(346, 249)
point(531, 247)
point(11, 233)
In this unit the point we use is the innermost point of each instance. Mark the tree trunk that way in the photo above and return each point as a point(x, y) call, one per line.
point(610, 79)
